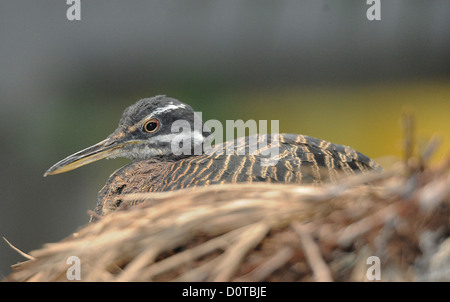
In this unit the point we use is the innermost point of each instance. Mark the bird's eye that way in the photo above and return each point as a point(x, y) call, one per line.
point(151, 126)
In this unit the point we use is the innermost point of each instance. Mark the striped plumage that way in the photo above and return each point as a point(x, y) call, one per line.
point(302, 160)
point(146, 134)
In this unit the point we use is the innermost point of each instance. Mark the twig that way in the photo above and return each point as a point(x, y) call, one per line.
point(19, 251)
point(429, 149)
point(269, 266)
point(408, 136)
point(199, 273)
point(313, 255)
point(190, 254)
point(95, 215)
point(236, 253)
point(360, 227)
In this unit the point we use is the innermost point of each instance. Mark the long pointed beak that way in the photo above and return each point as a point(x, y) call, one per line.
point(103, 149)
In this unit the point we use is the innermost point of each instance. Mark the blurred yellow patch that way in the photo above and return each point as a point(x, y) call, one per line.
point(366, 118)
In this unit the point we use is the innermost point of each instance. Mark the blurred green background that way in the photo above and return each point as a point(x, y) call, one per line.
point(319, 67)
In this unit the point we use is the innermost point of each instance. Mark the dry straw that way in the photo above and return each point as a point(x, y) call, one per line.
point(268, 232)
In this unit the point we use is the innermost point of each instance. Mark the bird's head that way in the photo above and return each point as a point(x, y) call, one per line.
point(144, 132)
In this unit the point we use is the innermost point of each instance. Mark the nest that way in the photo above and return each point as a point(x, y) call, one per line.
point(392, 226)
point(267, 232)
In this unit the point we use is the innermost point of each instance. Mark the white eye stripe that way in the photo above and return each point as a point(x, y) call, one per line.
point(169, 107)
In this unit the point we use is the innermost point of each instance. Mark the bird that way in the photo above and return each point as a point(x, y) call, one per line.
point(146, 135)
